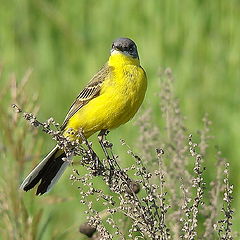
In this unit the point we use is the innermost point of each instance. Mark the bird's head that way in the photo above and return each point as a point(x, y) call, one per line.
point(125, 46)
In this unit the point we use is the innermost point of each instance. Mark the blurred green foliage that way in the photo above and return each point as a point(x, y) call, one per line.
point(66, 42)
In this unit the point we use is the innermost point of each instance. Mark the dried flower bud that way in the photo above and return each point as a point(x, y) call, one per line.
point(134, 187)
point(87, 229)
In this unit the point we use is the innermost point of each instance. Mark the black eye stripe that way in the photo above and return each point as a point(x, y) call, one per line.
point(124, 48)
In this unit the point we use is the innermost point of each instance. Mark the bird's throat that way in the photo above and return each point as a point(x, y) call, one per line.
point(118, 58)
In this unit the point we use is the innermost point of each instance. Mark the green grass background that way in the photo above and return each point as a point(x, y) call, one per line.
point(66, 42)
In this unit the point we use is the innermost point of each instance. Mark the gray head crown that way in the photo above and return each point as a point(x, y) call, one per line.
point(126, 46)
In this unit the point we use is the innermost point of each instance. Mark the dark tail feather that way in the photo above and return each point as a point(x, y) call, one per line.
point(48, 171)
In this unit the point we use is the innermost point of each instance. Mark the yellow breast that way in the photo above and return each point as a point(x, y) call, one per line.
point(121, 95)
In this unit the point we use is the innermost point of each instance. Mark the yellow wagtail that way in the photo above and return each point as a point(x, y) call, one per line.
point(110, 99)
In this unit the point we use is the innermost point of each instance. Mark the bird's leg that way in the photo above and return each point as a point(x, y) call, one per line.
point(102, 140)
point(98, 167)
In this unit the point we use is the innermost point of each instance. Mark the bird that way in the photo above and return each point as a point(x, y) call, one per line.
point(111, 98)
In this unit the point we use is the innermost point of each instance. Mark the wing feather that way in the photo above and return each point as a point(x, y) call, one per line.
point(91, 91)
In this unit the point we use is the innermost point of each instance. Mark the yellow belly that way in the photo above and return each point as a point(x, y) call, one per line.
point(120, 98)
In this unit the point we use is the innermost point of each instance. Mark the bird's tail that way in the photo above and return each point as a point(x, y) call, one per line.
point(48, 171)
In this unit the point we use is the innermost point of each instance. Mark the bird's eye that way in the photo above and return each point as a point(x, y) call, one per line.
point(130, 49)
